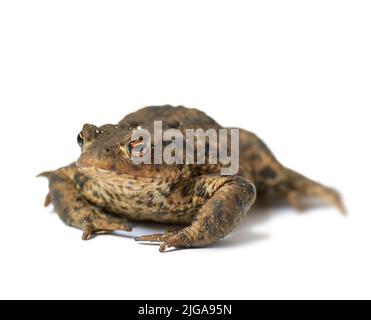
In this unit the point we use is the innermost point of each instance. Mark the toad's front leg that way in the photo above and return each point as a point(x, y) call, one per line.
point(74, 209)
point(217, 218)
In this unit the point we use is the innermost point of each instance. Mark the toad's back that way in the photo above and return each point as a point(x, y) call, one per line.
point(173, 116)
point(257, 163)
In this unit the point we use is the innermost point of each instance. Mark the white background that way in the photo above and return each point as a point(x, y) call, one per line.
point(298, 73)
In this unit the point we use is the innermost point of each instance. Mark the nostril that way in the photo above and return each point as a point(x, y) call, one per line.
point(107, 150)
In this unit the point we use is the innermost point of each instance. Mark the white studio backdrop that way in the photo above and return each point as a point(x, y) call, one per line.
point(297, 73)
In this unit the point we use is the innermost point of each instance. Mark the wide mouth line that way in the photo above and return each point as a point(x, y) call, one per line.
point(96, 172)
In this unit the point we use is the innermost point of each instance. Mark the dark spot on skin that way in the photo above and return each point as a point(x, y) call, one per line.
point(162, 192)
point(172, 187)
point(254, 157)
point(133, 125)
point(80, 180)
point(95, 194)
point(129, 187)
point(201, 192)
point(140, 202)
point(79, 199)
point(218, 212)
point(65, 214)
point(185, 191)
point(240, 204)
point(229, 219)
point(268, 173)
point(56, 196)
point(247, 146)
point(174, 125)
point(55, 179)
point(149, 203)
point(206, 224)
point(165, 193)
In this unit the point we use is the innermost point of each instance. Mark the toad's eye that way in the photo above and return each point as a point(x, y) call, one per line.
point(137, 149)
point(80, 140)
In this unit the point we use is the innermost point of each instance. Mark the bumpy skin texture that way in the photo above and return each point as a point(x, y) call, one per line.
point(104, 190)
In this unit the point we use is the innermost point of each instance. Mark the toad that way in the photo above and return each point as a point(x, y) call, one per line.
point(104, 190)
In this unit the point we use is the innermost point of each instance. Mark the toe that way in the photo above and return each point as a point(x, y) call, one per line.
point(163, 247)
point(105, 222)
point(171, 242)
point(48, 200)
point(294, 200)
point(87, 232)
point(151, 238)
point(117, 225)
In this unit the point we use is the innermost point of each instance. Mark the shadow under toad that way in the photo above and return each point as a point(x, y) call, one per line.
point(244, 233)
point(263, 210)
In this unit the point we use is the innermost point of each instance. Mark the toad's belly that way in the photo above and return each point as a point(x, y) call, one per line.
point(142, 201)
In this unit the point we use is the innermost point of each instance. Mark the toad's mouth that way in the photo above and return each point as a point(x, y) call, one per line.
point(101, 175)
point(85, 163)
point(101, 168)
point(97, 170)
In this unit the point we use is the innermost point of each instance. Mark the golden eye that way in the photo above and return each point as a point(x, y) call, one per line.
point(137, 149)
point(80, 140)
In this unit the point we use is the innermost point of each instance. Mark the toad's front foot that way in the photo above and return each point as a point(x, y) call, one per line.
point(216, 219)
point(76, 211)
point(99, 221)
point(171, 239)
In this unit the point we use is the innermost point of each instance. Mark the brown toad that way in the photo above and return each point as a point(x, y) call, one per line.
point(104, 190)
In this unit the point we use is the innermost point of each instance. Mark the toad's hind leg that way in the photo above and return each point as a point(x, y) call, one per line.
point(271, 177)
point(218, 217)
point(274, 179)
point(75, 210)
point(297, 188)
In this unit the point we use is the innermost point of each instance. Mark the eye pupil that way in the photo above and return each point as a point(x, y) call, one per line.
point(80, 140)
